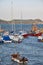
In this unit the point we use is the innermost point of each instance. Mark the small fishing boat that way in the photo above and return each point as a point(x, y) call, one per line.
point(35, 31)
point(16, 57)
point(40, 38)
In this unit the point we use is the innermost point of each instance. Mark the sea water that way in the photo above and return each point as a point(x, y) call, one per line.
point(29, 47)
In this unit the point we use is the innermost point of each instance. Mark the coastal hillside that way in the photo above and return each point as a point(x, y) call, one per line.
point(29, 21)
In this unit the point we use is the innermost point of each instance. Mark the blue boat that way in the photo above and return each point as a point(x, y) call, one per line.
point(6, 39)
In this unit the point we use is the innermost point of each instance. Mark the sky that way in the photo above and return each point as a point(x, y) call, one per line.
point(21, 9)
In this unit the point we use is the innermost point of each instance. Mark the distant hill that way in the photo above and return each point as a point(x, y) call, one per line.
point(3, 21)
point(29, 21)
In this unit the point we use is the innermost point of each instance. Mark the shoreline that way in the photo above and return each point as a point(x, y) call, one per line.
point(30, 21)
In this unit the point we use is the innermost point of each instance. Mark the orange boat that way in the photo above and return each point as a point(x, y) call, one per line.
point(35, 31)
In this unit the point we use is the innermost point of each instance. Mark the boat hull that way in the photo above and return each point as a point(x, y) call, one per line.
point(7, 41)
point(17, 60)
point(38, 34)
point(25, 35)
point(15, 41)
point(15, 38)
point(14, 59)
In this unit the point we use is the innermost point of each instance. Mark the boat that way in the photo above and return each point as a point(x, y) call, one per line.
point(16, 38)
point(40, 38)
point(20, 37)
point(35, 31)
point(16, 57)
point(6, 38)
point(34, 34)
point(23, 33)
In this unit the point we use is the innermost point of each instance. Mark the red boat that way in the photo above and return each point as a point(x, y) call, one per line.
point(35, 31)
point(25, 35)
point(35, 34)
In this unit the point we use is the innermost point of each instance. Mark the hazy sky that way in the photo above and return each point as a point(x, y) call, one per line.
point(30, 9)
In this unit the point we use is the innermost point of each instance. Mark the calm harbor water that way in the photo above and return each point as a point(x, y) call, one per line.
point(29, 47)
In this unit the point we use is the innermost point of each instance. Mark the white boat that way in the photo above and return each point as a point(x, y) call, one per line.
point(23, 33)
point(16, 57)
point(20, 37)
point(16, 38)
point(40, 38)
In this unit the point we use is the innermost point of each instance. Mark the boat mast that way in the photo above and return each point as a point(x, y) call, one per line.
point(12, 13)
point(21, 19)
